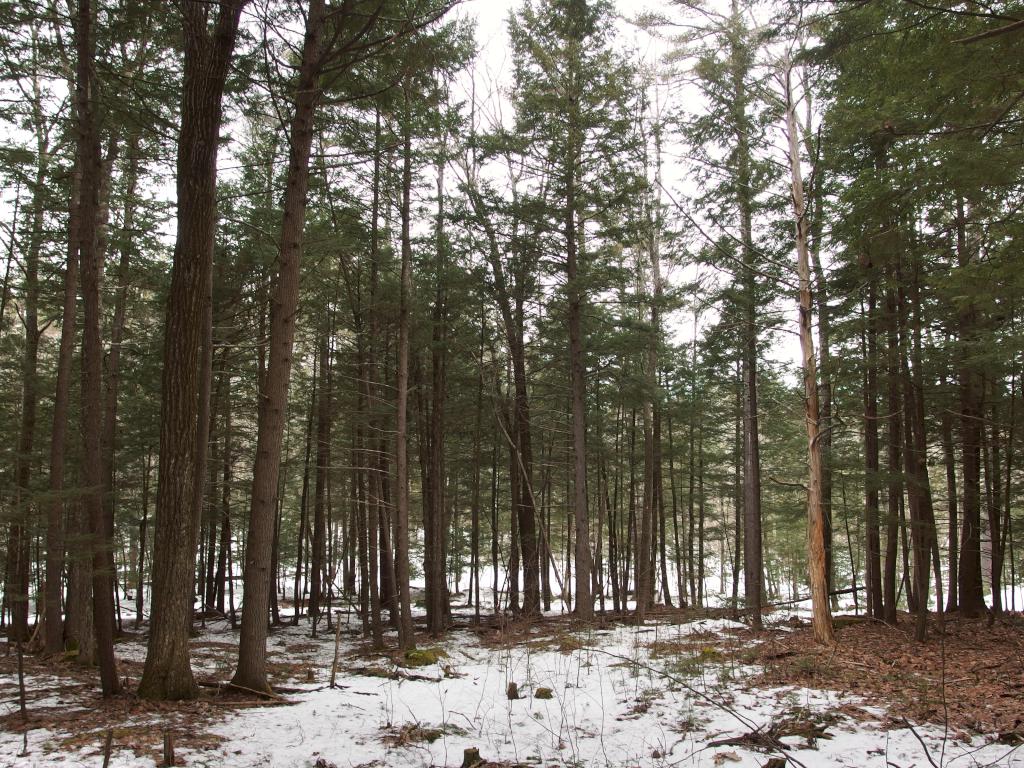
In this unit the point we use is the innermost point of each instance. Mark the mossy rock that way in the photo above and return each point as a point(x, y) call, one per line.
point(710, 653)
point(423, 657)
point(543, 693)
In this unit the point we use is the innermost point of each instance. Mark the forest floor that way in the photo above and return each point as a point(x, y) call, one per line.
point(685, 689)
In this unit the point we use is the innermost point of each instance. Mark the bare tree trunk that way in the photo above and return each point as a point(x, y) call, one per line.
point(972, 599)
point(577, 377)
point(895, 480)
point(738, 515)
point(143, 534)
point(19, 540)
point(224, 551)
point(251, 671)
point(821, 615)
point(100, 528)
point(300, 539)
point(681, 581)
point(434, 513)
point(323, 460)
point(54, 629)
point(406, 640)
point(167, 674)
point(474, 590)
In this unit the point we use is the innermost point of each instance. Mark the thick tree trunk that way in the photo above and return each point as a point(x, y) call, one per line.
point(167, 674)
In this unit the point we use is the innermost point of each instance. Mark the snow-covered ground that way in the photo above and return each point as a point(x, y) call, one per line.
point(623, 696)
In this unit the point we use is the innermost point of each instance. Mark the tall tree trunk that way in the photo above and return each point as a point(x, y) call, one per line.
point(167, 674)
point(406, 640)
point(474, 592)
point(108, 439)
point(995, 512)
point(300, 540)
point(143, 535)
point(224, 553)
point(825, 385)
point(949, 461)
point(738, 515)
point(872, 477)
point(681, 580)
point(578, 383)
point(817, 530)
point(252, 649)
point(19, 540)
point(434, 514)
point(54, 629)
point(323, 460)
point(894, 463)
point(753, 556)
point(971, 593)
point(100, 528)
point(511, 300)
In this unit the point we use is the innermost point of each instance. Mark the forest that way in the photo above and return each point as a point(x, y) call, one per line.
point(511, 382)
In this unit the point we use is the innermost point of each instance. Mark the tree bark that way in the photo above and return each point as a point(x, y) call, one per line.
point(817, 530)
point(972, 599)
point(100, 528)
point(19, 540)
point(252, 650)
point(323, 460)
point(872, 478)
point(406, 640)
point(167, 674)
point(577, 378)
point(54, 629)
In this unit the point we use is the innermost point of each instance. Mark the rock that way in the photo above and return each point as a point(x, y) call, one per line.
point(543, 693)
point(423, 657)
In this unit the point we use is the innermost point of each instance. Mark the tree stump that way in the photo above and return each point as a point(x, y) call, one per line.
point(168, 750)
point(471, 758)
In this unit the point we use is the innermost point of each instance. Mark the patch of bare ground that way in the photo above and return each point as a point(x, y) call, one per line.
point(968, 674)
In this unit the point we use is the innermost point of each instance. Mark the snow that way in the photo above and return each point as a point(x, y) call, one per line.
point(622, 696)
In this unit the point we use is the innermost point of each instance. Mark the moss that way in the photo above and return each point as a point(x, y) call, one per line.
point(710, 653)
point(423, 657)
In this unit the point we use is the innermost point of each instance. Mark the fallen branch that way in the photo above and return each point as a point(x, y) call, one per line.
point(771, 742)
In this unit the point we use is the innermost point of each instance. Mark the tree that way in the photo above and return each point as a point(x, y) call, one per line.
point(816, 528)
point(184, 421)
point(559, 45)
